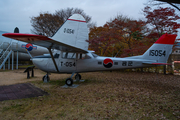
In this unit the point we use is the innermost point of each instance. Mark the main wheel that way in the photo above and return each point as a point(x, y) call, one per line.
point(46, 78)
point(78, 77)
point(69, 82)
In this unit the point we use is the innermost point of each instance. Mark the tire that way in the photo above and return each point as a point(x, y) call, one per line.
point(69, 82)
point(46, 78)
point(78, 77)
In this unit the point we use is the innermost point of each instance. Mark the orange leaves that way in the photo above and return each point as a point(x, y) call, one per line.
point(117, 37)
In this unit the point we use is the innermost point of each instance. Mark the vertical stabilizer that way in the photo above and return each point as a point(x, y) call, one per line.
point(161, 49)
point(73, 32)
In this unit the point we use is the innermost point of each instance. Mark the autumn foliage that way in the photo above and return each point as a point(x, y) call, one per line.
point(162, 20)
point(122, 36)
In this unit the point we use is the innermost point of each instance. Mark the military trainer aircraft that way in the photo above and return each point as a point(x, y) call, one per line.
point(72, 55)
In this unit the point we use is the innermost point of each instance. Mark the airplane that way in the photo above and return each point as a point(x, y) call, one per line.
point(73, 57)
point(21, 47)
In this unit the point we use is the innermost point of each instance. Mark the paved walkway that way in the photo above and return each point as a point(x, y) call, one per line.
point(19, 91)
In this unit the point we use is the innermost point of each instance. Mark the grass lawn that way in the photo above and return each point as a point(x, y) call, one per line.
point(103, 95)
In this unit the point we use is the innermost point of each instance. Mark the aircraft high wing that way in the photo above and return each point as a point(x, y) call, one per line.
point(21, 47)
point(73, 55)
point(44, 42)
point(70, 37)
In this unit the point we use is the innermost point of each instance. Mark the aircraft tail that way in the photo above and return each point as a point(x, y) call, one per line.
point(159, 52)
point(73, 32)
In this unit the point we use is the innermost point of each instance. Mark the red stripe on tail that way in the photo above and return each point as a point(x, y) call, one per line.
point(166, 39)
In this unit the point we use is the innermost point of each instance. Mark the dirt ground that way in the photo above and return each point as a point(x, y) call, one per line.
point(103, 95)
point(10, 77)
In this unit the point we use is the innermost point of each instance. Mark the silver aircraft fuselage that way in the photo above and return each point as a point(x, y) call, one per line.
point(77, 63)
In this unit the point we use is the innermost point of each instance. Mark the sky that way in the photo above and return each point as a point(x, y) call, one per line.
point(18, 13)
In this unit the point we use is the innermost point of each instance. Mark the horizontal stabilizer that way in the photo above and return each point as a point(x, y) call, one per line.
point(152, 63)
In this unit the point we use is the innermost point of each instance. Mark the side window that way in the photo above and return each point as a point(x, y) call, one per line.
point(56, 55)
point(81, 56)
point(73, 55)
point(67, 55)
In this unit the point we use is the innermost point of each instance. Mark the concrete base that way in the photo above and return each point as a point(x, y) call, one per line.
point(73, 86)
point(79, 81)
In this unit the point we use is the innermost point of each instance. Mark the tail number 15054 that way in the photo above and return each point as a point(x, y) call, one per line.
point(157, 53)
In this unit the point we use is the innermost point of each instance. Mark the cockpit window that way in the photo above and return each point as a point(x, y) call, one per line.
point(87, 57)
point(73, 55)
point(81, 56)
point(56, 55)
point(69, 55)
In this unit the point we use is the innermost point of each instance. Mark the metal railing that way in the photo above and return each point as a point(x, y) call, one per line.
point(5, 55)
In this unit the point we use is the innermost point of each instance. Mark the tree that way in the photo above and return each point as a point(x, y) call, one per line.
point(128, 31)
point(100, 40)
point(162, 20)
point(47, 24)
point(173, 3)
point(118, 37)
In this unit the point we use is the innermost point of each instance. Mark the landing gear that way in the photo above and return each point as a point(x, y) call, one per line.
point(69, 81)
point(78, 77)
point(46, 78)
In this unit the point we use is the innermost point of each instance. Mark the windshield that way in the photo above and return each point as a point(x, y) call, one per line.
point(94, 55)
